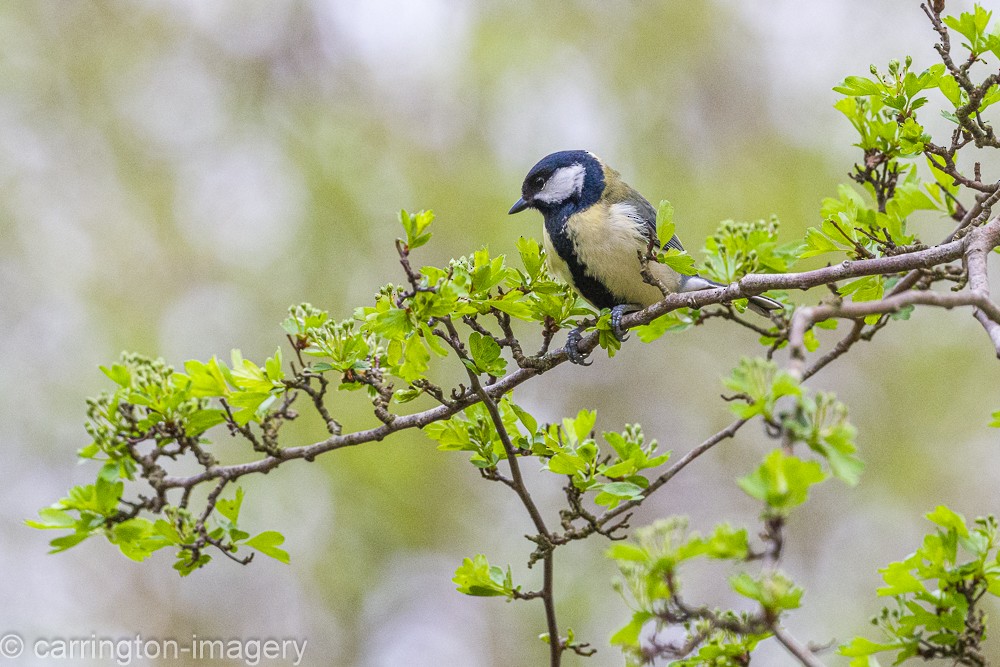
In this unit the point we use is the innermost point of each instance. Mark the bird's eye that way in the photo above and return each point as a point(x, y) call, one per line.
point(538, 181)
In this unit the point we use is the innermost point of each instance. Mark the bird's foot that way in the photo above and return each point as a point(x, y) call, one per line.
point(616, 321)
point(573, 347)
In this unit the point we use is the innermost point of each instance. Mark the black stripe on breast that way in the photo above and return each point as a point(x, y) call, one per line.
point(589, 287)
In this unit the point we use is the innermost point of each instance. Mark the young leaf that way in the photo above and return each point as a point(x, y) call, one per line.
point(665, 222)
point(415, 225)
point(949, 520)
point(477, 577)
point(267, 543)
point(782, 481)
point(679, 261)
point(231, 508)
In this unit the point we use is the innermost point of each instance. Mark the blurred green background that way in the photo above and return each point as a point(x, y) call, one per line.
point(175, 173)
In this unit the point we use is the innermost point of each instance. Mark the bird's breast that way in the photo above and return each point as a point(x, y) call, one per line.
point(596, 251)
point(607, 240)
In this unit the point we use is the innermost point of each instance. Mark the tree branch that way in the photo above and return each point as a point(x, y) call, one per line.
point(670, 472)
point(747, 286)
point(544, 538)
point(801, 652)
point(986, 312)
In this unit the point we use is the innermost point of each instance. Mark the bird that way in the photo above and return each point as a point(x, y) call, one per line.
point(596, 226)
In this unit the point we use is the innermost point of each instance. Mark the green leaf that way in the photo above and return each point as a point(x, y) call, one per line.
point(679, 261)
point(934, 591)
point(137, 539)
point(949, 520)
point(512, 306)
point(531, 256)
point(476, 577)
point(564, 463)
point(857, 86)
point(485, 353)
point(676, 320)
point(727, 543)
point(185, 566)
point(665, 222)
point(762, 384)
point(818, 243)
point(415, 359)
point(821, 422)
point(486, 273)
point(861, 647)
point(612, 493)
point(272, 368)
point(949, 87)
point(992, 95)
point(628, 552)
point(582, 425)
point(267, 543)
point(201, 420)
point(406, 394)
point(52, 518)
point(971, 26)
point(206, 379)
point(869, 288)
point(525, 417)
point(912, 137)
point(119, 374)
point(900, 580)
point(231, 508)
point(782, 481)
point(107, 494)
point(65, 542)
point(415, 226)
point(741, 247)
point(774, 591)
point(628, 635)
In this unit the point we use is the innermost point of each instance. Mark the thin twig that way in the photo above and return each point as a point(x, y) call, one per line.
point(544, 540)
point(670, 472)
point(801, 652)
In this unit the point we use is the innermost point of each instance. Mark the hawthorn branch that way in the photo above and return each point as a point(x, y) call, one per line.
point(672, 471)
point(976, 245)
point(800, 651)
point(805, 318)
point(489, 401)
point(841, 348)
point(544, 537)
point(986, 312)
point(750, 285)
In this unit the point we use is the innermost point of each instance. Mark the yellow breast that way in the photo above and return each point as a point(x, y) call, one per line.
point(608, 241)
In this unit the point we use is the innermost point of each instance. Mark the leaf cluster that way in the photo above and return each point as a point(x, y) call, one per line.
point(937, 592)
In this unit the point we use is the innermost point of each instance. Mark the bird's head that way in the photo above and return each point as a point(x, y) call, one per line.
point(566, 177)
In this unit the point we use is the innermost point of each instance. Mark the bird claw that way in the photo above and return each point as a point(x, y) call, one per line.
point(616, 322)
point(576, 335)
point(573, 348)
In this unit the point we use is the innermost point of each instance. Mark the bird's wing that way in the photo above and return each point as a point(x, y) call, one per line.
point(644, 214)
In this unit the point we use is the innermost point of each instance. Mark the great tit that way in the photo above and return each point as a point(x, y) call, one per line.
point(596, 225)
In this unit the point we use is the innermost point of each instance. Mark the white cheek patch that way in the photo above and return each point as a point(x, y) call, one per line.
point(565, 182)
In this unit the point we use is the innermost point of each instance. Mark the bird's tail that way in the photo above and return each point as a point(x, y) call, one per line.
point(761, 305)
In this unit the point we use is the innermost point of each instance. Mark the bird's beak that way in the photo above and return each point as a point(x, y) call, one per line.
point(518, 206)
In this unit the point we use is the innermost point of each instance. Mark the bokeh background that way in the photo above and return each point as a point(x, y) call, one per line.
point(175, 173)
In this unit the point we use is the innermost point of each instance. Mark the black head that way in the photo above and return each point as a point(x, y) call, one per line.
point(565, 178)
